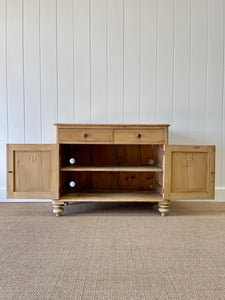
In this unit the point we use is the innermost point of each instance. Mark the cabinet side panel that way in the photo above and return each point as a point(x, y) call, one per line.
point(55, 163)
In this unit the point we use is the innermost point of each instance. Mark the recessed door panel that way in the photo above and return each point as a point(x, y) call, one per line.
point(32, 171)
point(189, 172)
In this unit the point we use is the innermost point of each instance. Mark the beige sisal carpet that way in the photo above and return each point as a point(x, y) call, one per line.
point(112, 252)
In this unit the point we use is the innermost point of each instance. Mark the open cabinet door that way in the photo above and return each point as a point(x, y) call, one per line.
point(32, 171)
point(189, 172)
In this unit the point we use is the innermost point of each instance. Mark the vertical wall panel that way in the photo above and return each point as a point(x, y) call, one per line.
point(82, 61)
point(132, 9)
point(48, 69)
point(215, 80)
point(181, 102)
point(3, 93)
point(15, 71)
point(98, 61)
point(32, 72)
point(148, 62)
point(165, 61)
point(115, 62)
point(65, 61)
point(222, 166)
point(198, 79)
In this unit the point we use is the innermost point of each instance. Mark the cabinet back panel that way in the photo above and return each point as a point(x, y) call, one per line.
point(124, 155)
point(108, 181)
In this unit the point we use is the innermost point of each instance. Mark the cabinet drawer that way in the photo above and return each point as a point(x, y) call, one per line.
point(141, 136)
point(84, 135)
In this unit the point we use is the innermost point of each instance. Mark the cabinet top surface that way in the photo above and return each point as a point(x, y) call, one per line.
point(73, 125)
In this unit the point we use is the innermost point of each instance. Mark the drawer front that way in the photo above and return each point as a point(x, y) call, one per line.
point(84, 135)
point(142, 136)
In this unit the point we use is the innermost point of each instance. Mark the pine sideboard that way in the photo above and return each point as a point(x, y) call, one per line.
point(110, 163)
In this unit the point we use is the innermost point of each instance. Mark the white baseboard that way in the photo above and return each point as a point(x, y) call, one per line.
point(4, 199)
point(219, 197)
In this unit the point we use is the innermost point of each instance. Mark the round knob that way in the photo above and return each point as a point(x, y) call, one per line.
point(138, 135)
point(151, 161)
point(72, 161)
point(85, 134)
point(72, 184)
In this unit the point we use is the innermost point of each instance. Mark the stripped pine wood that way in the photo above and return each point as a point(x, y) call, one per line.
point(32, 171)
point(84, 135)
point(111, 155)
point(113, 168)
point(100, 155)
point(114, 197)
point(166, 172)
point(189, 172)
point(139, 136)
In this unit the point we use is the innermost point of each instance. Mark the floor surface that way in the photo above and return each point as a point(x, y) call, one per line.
point(110, 251)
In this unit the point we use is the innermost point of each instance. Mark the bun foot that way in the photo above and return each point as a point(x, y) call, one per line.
point(164, 207)
point(57, 208)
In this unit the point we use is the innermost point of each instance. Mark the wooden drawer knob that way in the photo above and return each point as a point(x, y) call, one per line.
point(85, 134)
point(138, 135)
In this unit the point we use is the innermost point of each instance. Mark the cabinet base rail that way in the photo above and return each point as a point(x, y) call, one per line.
point(163, 205)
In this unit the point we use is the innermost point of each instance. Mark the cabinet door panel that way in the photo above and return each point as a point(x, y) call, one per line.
point(32, 171)
point(189, 172)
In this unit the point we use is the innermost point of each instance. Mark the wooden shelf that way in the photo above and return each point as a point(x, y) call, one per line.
point(118, 196)
point(114, 168)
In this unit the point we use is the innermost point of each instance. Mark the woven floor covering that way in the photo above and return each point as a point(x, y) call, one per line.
point(112, 251)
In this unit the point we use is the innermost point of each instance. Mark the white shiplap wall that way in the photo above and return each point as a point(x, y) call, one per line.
point(113, 61)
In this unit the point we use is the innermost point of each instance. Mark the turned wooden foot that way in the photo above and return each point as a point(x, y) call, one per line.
point(164, 207)
point(57, 207)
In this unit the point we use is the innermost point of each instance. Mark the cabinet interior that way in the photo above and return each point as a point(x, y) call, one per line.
point(111, 168)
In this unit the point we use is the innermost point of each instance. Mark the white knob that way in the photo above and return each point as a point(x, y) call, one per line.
point(72, 161)
point(151, 161)
point(72, 184)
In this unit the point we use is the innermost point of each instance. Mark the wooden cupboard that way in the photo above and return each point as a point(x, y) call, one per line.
point(106, 163)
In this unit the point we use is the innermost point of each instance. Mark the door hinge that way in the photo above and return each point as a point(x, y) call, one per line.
point(163, 152)
point(163, 190)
